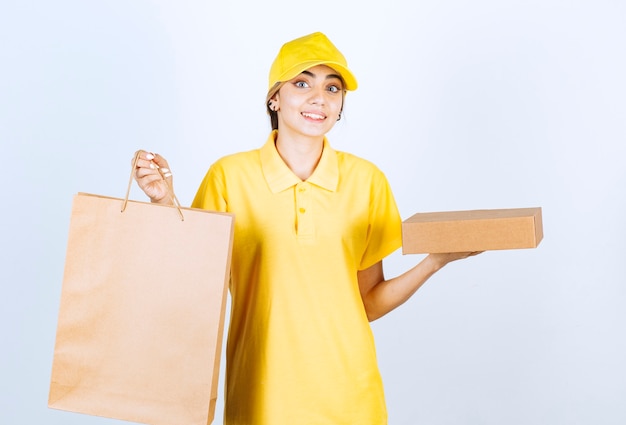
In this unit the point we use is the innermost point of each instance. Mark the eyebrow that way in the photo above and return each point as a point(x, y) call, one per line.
point(328, 77)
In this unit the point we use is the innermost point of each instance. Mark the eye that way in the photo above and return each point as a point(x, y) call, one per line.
point(301, 84)
point(334, 89)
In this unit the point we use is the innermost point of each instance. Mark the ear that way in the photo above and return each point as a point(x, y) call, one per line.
point(273, 103)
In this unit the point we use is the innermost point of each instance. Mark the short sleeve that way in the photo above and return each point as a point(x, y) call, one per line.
point(211, 194)
point(385, 225)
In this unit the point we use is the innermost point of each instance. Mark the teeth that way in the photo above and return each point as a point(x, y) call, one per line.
point(313, 116)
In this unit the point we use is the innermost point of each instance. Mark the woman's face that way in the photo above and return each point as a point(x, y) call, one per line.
point(311, 103)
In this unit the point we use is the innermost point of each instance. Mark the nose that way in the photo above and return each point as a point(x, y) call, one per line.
point(317, 95)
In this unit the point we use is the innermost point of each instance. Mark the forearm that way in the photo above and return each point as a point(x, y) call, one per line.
point(386, 295)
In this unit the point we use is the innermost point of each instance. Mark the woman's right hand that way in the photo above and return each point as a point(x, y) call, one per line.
point(151, 172)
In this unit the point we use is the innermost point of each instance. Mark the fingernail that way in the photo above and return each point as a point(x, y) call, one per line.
point(152, 166)
point(149, 156)
point(165, 170)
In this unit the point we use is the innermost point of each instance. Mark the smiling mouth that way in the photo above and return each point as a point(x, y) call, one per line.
point(313, 116)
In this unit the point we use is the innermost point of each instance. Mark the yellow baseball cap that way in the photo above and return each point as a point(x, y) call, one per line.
point(306, 52)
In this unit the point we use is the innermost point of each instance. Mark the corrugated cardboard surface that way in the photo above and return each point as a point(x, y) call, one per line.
point(472, 230)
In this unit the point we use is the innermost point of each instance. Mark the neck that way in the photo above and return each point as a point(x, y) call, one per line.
point(301, 154)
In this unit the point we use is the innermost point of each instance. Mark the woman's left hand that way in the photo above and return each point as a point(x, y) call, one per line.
point(441, 259)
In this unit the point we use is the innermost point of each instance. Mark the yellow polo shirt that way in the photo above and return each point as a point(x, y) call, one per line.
point(300, 350)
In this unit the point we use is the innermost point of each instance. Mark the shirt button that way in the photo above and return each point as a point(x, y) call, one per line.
point(302, 210)
point(302, 189)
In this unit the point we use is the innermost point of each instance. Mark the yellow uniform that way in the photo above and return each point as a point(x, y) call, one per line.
point(300, 350)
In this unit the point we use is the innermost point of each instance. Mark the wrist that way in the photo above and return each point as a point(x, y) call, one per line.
point(163, 201)
point(434, 262)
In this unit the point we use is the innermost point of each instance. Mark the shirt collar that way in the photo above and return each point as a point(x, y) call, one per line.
point(280, 177)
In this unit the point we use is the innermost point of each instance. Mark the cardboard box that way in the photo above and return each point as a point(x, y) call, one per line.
point(475, 230)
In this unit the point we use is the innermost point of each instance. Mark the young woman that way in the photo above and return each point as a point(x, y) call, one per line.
point(312, 226)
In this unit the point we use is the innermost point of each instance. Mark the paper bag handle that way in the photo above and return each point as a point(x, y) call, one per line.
point(171, 193)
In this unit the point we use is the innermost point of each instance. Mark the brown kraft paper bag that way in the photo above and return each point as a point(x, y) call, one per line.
point(142, 311)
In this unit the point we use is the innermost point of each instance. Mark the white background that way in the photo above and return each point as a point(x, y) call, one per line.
point(463, 104)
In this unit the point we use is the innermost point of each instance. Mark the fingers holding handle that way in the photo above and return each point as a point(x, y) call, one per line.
point(152, 173)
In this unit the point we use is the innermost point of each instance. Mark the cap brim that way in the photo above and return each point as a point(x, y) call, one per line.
point(346, 74)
